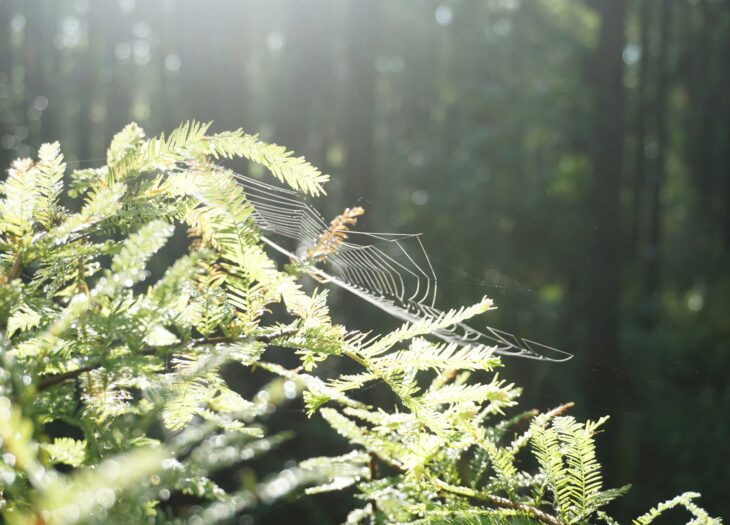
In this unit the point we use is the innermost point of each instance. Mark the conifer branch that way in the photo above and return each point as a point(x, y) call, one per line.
point(497, 501)
point(445, 432)
point(47, 382)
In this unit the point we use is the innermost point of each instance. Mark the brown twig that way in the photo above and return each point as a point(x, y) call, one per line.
point(498, 501)
point(374, 475)
point(559, 410)
point(547, 416)
point(264, 338)
point(446, 377)
point(55, 379)
point(14, 272)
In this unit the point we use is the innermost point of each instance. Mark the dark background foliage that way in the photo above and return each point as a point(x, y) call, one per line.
point(569, 158)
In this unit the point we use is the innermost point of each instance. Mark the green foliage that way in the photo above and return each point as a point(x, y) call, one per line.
point(683, 500)
point(567, 456)
point(113, 397)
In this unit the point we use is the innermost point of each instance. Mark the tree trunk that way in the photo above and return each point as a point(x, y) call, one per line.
point(87, 84)
point(640, 166)
point(706, 108)
point(119, 87)
point(603, 289)
point(726, 119)
point(359, 123)
point(301, 93)
point(236, 90)
point(655, 183)
point(6, 103)
point(33, 75)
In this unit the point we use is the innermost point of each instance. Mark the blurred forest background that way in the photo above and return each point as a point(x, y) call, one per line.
point(568, 158)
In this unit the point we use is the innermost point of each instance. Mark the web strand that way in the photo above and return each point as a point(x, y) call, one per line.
point(390, 271)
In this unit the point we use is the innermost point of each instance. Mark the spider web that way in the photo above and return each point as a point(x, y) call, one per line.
point(390, 271)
